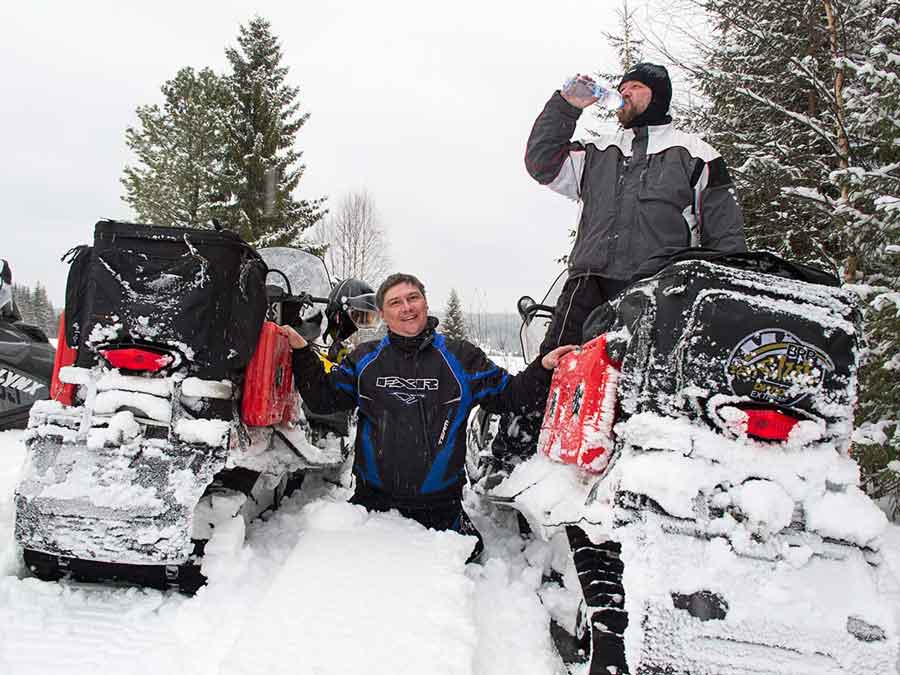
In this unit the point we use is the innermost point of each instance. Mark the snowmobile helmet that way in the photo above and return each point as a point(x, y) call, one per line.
point(351, 306)
point(6, 299)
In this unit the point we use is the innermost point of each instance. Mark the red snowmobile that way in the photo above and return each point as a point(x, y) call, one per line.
point(693, 482)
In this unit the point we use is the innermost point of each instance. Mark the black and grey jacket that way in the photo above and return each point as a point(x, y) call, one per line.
point(414, 397)
point(642, 191)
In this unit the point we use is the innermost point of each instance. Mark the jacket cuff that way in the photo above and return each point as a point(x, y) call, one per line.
point(304, 359)
point(561, 105)
point(538, 371)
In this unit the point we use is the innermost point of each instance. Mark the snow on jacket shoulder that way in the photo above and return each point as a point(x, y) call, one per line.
point(413, 407)
point(642, 191)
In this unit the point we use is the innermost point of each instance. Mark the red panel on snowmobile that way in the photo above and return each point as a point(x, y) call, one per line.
point(65, 356)
point(578, 421)
point(269, 381)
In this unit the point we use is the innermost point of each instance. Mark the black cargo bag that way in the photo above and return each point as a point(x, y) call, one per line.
point(703, 332)
point(200, 292)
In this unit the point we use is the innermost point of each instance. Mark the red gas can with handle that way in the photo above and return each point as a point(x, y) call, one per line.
point(268, 396)
point(65, 356)
point(581, 407)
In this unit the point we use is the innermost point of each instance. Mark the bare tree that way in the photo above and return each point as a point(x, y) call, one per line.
point(356, 239)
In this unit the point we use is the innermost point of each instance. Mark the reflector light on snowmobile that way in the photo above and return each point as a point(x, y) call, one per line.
point(769, 424)
point(132, 358)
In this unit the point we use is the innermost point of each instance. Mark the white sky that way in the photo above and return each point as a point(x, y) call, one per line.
point(426, 105)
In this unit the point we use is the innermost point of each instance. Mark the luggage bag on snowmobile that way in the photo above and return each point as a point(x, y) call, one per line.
point(714, 340)
point(747, 342)
point(199, 294)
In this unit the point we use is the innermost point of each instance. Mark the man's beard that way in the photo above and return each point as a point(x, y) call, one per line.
point(627, 114)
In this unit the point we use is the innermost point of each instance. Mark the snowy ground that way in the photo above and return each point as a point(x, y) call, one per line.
point(320, 583)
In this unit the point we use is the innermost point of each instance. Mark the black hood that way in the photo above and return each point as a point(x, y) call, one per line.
point(657, 79)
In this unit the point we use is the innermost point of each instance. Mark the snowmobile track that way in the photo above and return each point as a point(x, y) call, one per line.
point(600, 575)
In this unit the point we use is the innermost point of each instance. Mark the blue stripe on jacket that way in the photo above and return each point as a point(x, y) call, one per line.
point(435, 480)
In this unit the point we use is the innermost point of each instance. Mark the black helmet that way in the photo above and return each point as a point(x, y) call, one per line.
point(351, 306)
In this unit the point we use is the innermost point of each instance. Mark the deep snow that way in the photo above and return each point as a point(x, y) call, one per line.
point(320, 587)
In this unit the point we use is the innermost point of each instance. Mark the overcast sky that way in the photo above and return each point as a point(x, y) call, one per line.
point(425, 105)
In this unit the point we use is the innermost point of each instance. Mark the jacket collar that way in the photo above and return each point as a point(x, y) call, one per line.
point(416, 343)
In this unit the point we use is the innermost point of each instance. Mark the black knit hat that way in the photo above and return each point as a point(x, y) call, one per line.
point(657, 79)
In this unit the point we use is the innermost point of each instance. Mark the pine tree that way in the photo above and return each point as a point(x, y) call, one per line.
point(44, 313)
point(180, 151)
point(22, 300)
point(262, 119)
point(870, 205)
point(454, 326)
point(35, 307)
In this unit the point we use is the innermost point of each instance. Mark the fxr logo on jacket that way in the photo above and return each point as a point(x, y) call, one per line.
point(410, 384)
point(413, 384)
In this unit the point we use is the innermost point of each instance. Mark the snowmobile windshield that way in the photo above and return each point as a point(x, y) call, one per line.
point(305, 272)
point(537, 319)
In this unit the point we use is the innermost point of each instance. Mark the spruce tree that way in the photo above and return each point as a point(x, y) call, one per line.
point(627, 42)
point(179, 147)
point(262, 118)
point(454, 326)
point(44, 313)
point(22, 300)
point(628, 46)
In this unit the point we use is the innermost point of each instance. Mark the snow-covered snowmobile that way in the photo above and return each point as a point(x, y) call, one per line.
point(694, 484)
point(26, 359)
point(174, 417)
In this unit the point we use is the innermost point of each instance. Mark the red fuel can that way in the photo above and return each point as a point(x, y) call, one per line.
point(65, 356)
point(268, 396)
point(578, 421)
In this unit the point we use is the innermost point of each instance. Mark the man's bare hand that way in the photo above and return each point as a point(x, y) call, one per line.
point(551, 359)
point(578, 93)
point(296, 340)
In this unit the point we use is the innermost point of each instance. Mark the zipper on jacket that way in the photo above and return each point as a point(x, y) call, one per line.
point(423, 420)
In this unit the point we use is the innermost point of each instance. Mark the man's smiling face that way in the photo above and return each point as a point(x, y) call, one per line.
point(405, 310)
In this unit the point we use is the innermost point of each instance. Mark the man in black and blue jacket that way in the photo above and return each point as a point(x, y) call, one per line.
point(415, 389)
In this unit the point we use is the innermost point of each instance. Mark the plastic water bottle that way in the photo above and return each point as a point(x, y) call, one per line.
point(608, 98)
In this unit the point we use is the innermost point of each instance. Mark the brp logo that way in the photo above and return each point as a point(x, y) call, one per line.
point(775, 366)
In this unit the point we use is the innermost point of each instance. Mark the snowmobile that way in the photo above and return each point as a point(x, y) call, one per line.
point(26, 359)
point(174, 417)
point(693, 483)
